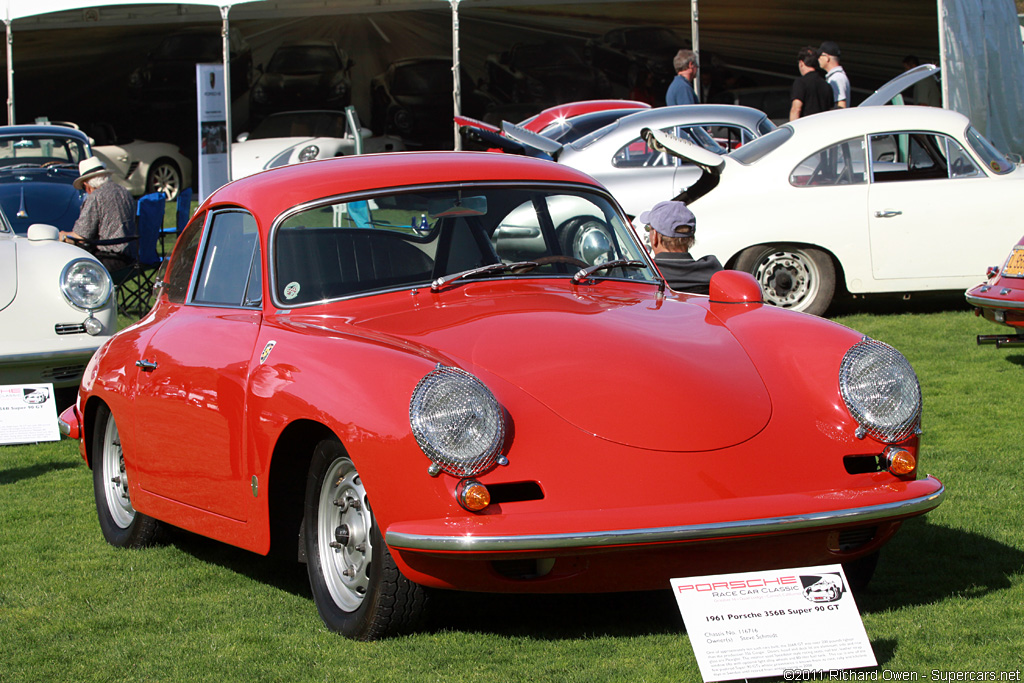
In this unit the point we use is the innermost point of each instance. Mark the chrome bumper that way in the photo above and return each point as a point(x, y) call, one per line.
point(669, 534)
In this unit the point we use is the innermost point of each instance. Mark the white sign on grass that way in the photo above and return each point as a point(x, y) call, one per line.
point(28, 413)
point(757, 624)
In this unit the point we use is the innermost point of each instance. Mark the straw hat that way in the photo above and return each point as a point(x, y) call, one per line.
point(89, 168)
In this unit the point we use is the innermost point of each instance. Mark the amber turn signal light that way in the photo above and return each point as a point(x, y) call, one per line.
point(900, 461)
point(473, 495)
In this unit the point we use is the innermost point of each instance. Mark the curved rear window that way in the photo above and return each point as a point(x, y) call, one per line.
point(995, 160)
point(755, 149)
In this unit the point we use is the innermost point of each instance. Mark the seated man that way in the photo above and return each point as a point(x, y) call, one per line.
point(107, 216)
point(670, 229)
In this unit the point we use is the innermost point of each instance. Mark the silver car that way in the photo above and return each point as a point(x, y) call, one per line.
point(638, 176)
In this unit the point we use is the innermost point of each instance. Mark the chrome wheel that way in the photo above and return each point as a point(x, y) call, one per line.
point(796, 277)
point(343, 525)
point(115, 491)
point(164, 177)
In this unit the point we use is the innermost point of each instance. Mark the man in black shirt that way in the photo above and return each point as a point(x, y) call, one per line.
point(670, 229)
point(810, 93)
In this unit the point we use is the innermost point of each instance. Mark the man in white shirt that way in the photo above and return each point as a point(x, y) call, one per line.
point(828, 59)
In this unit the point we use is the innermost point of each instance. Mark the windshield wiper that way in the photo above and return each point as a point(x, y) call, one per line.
point(440, 282)
point(584, 273)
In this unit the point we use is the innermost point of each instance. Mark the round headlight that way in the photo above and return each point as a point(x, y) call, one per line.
point(86, 284)
point(457, 421)
point(881, 391)
point(309, 152)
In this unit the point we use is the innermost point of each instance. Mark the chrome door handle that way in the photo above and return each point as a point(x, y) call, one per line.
point(888, 213)
point(146, 365)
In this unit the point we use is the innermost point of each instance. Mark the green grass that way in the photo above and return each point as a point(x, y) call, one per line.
point(948, 594)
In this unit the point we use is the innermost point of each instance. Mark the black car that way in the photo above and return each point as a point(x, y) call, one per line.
point(312, 74)
point(413, 100)
point(38, 166)
point(544, 74)
point(168, 79)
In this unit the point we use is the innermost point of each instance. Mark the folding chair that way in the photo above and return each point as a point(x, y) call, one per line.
point(135, 293)
point(183, 211)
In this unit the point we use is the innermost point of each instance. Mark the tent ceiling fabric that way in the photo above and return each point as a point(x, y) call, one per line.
point(20, 9)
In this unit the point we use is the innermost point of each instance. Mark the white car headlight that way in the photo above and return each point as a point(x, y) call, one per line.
point(457, 422)
point(309, 152)
point(86, 284)
point(881, 391)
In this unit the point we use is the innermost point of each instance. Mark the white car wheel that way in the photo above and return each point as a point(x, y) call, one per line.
point(798, 278)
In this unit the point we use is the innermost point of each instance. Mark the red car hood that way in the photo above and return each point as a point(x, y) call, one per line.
point(616, 363)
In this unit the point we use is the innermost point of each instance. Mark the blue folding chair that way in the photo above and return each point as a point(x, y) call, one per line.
point(135, 294)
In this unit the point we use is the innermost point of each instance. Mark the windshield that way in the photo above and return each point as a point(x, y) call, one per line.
point(411, 239)
point(304, 59)
point(993, 158)
point(36, 150)
point(755, 149)
point(319, 124)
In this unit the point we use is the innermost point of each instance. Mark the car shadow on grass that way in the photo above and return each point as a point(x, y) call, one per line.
point(885, 304)
point(924, 564)
point(927, 563)
point(16, 474)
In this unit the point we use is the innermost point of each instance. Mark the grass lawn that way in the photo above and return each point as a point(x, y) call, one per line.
point(948, 593)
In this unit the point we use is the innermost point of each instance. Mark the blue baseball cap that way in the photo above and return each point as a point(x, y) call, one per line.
point(671, 219)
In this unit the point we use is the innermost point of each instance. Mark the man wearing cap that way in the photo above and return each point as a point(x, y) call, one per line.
point(670, 229)
point(828, 59)
point(107, 216)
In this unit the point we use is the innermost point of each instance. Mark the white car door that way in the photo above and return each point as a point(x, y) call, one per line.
point(928, 207)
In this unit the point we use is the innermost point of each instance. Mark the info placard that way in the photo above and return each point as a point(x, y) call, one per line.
point(755, 624)
point(28, 413)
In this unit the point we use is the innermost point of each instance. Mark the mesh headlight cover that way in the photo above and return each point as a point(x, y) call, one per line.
point(456, 421)
point(86, 284)
point(881, 390)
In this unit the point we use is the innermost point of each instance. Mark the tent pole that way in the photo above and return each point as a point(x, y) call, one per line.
point(456, 81)
point(942, 53)
point(10, 73)
point(695, 39)
point(226, 42)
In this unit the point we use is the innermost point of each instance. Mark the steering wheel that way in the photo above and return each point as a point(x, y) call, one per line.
point(544, 260)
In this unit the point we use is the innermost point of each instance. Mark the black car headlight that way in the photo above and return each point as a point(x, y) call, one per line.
point(309, 152)
point(403, 120)
point(457, 422)
point(881, 391)
point(86, 284)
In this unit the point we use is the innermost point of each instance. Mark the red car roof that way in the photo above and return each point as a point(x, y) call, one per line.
point(269, 193)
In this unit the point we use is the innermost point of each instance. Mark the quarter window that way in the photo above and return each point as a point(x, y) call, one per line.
point(841, 164)
point(229, 272)
point(183, 259)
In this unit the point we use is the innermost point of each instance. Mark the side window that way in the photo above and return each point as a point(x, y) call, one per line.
point(960, 163)
point(901, 157)
point(226, 273)
point(183, 258)
point(841, 164)
point(638, 154)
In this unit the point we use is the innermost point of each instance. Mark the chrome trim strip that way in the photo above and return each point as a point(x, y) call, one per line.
point(691, 532)
point(992, 302)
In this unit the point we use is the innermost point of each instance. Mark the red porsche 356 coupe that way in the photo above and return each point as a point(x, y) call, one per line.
point(460, 370)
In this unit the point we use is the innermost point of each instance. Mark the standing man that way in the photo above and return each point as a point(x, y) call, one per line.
point(926, 92)
point(810, 93)
point(670, 230)
point(828, 60)
point(680, 90)
point(107, 216)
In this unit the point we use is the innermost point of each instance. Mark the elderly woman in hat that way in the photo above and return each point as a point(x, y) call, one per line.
point(107, 218)
point(670, 230)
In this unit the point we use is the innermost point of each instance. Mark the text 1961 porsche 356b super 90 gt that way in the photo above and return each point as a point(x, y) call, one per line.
point(460, 370)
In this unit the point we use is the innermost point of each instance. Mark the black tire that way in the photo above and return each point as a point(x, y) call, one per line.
point(164, 176)
point(859, 572)
point(358, 590)
point(121, 524)
point(587, 239)
point(796, 277)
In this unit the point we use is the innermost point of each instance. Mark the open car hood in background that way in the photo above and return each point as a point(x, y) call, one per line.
point(557, 346)
point(710, 164)
point(899, 84)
